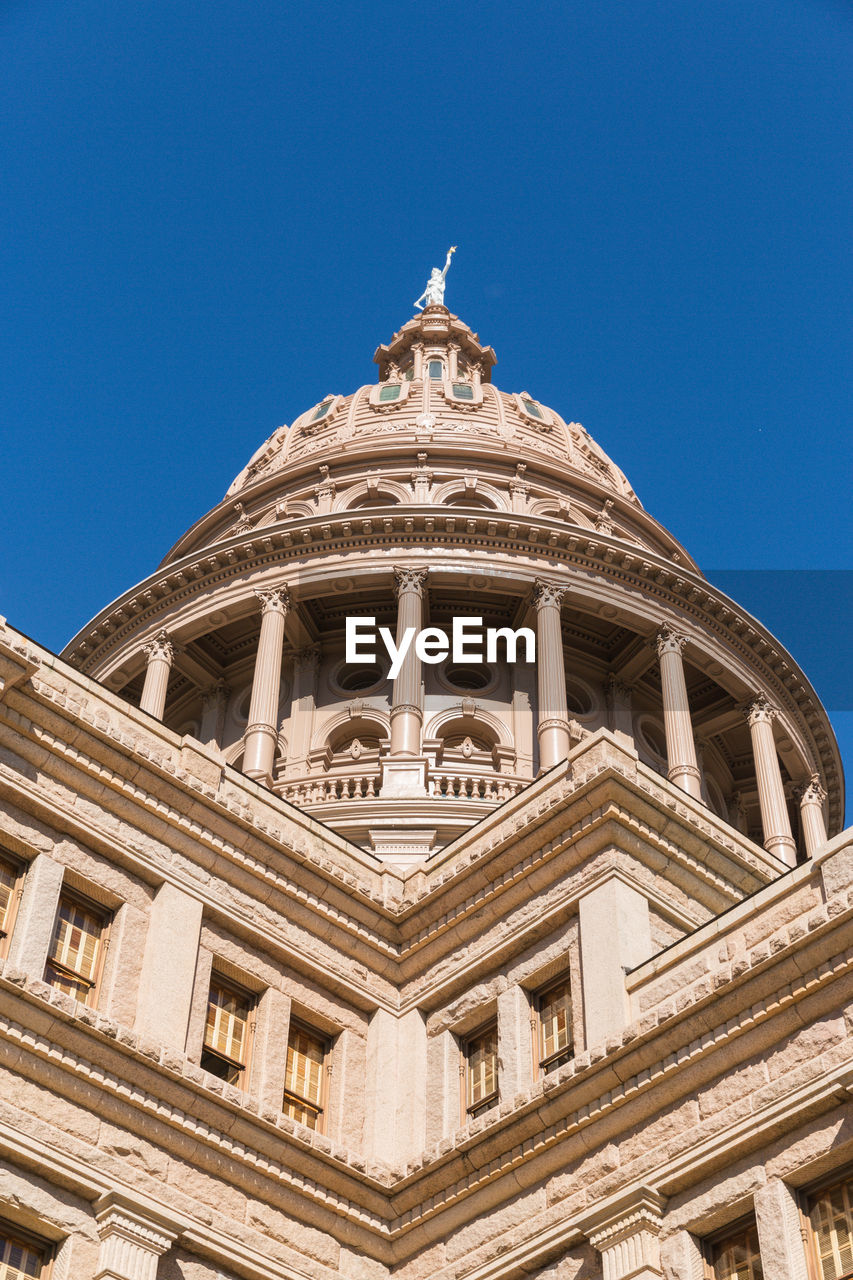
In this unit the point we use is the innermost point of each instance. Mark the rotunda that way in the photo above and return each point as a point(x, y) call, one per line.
point(426, 497)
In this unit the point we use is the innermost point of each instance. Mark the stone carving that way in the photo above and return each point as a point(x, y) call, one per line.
point(243, 519)
point(603, 522)
point(160, 646)
point(813, 791)
point(433, 294)
point(760, 711)
point(273, 599)
point(669, 640)
point(547, 594)
point(409, 580)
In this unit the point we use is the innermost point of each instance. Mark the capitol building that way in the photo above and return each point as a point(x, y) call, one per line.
point(506, 967)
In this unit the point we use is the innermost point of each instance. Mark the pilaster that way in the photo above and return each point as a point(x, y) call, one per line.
point(132, 1241)
point(626, 1234)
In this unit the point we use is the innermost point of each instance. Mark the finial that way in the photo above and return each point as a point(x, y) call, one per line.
point(433, 294)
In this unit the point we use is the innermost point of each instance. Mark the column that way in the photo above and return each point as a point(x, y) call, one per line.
point(160, 651)
point(552, 721)
point(812, 800)
point(214, 702)
point(683, 769)
point(131, 1241)
point(627, 1235)
point(778, 1221)
point(771, 793)
point(262, 730)
point(406, 712)
point(302, 706)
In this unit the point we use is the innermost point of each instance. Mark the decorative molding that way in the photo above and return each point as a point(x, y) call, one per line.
point(760, 711)
point(131, 1242)
point(160, 647)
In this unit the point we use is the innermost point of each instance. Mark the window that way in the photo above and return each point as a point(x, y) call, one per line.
point(435, 369)
point(390, 391)
point(831, 1223)
point(321, 410)
point(10, 877)
point(227, 1032)
point(463, 391)
point(77, 949)
point(531, 407)
point(480, 1055)
point(553, 1025)
point(19, 1256)
point(735, 1256)
point(304, 1084)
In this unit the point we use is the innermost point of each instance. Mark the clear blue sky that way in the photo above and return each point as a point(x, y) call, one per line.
point(212, 213)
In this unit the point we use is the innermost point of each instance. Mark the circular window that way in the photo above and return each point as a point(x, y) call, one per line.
point(470, 679)
point(352, 678)
point(578, 699)
point(654, 738)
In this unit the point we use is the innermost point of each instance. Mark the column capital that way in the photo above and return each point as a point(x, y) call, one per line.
point(215, 693)
point(273, 599)
point(625, 1232)
point(548, 593)
point(811, 792)
point(669, 640)
point(409, 580)
point(160, 646)
point(131, 1239)
point(759, 710)
point(309, 656)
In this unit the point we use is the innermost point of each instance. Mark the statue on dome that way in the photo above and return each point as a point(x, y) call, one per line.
point(433, 294)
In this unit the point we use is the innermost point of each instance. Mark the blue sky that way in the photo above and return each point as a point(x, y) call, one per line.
point(212, 212)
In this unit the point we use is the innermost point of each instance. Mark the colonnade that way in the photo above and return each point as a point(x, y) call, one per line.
point(553, 723)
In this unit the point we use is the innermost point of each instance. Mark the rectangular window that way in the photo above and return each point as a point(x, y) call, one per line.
point(463, 391)
point(77, 949)
point(831, 1229)
point(391, 391)
point(480, 1054)
point(19, 1256)
point(10, 878)
point(305, 1076)
point(436, 369)
point(553, 1022)
point(735, 1256)
point(227, 1032)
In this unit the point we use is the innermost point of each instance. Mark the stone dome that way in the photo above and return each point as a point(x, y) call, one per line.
point(434, 492)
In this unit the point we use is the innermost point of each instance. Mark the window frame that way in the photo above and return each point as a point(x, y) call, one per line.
point(806, 1200)
point(543, 1064)
point(290, 1097)
point(224, 983)
point(19, 871)
point(46, 1249)
point(387, 406)
point(100, 913)
point(470, 1110)
point(731, 1232)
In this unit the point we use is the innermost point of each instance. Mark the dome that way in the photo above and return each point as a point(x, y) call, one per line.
point(433, 492)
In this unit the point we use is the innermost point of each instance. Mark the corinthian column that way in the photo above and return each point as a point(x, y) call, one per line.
point(406, 712)
point(262, 730)
point(553, 720)
point(812, 799)
point(682, 768)
point(160, 651)
point(771, 793)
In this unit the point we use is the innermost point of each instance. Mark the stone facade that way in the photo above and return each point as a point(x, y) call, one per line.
point(548, 975)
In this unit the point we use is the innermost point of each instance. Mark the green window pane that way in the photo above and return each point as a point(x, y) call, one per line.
point(390, 391)
point(532, 408)
point(462, 391)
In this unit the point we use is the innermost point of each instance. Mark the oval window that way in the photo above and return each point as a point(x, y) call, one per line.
point(470, 679)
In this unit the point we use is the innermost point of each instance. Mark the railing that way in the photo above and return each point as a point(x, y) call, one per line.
point(448, 786)
point(335, 788)
point(329, 789)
